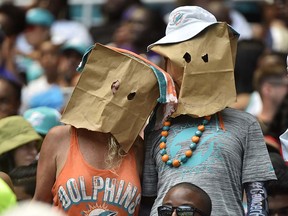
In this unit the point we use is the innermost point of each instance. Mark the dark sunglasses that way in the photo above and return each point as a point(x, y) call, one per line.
point(180, 211)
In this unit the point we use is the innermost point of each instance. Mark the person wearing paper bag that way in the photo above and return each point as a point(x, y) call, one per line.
point(92, 165)
point(219, 149)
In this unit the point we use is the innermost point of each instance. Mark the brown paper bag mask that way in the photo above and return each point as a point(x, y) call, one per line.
point(204, 68)
point(115, 94)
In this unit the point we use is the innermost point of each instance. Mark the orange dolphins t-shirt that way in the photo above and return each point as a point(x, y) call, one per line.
point(82, 190)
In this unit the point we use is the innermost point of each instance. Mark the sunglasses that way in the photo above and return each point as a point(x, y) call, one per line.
point(180, 211)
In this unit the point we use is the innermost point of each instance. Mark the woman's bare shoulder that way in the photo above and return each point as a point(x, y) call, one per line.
point(59, 131)
point(57, 138)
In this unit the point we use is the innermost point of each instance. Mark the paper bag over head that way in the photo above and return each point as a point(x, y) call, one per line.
point(200, 55)
point(115, 94)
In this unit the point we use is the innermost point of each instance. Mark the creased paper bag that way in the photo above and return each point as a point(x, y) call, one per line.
point(94, 104)
point(204, 68)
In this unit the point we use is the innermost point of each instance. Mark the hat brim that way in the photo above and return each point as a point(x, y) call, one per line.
point(20, 140)
point(185, 33)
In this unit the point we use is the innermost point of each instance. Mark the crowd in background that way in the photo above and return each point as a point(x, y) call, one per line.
point(41, 47)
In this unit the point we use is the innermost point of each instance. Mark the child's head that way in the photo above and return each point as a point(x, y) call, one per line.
point(185, 199)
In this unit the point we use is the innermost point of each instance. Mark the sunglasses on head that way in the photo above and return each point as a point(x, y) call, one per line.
point(180, 211)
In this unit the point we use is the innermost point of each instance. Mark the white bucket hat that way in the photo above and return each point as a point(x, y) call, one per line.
point(184, 23)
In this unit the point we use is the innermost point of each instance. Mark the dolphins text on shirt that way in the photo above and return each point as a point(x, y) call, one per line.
point(116, 193)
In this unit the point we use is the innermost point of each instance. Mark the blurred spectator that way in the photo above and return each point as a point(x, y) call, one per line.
point(248, 54)
point(32, 209)
point(37, 31)
point(271, 82)
point(19, 143)
point(112, 12)
point(24, 181)
point(45, 90)
point(71, 56)
point(59, 9)
point(277, 127)
point(140, 26)
point(63, 28)
point(10, 82)
point(12, 21)
point(42, 119)
point(73, 37)
point(10, 94)
point(274, 26)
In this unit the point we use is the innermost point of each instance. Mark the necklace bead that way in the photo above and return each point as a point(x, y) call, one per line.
point(184, 159)
point(165, 158)
point(201, 128)
point(176, 163)
point(163, 139)
point(195, 139)
point(198, 133)
point(167, 123)
point(166, 128)
point(162, 145)
point(192, 147)
point(188, 153)
point(164, 133)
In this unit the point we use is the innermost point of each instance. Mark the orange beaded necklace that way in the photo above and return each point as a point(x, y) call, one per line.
point(188, 154)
